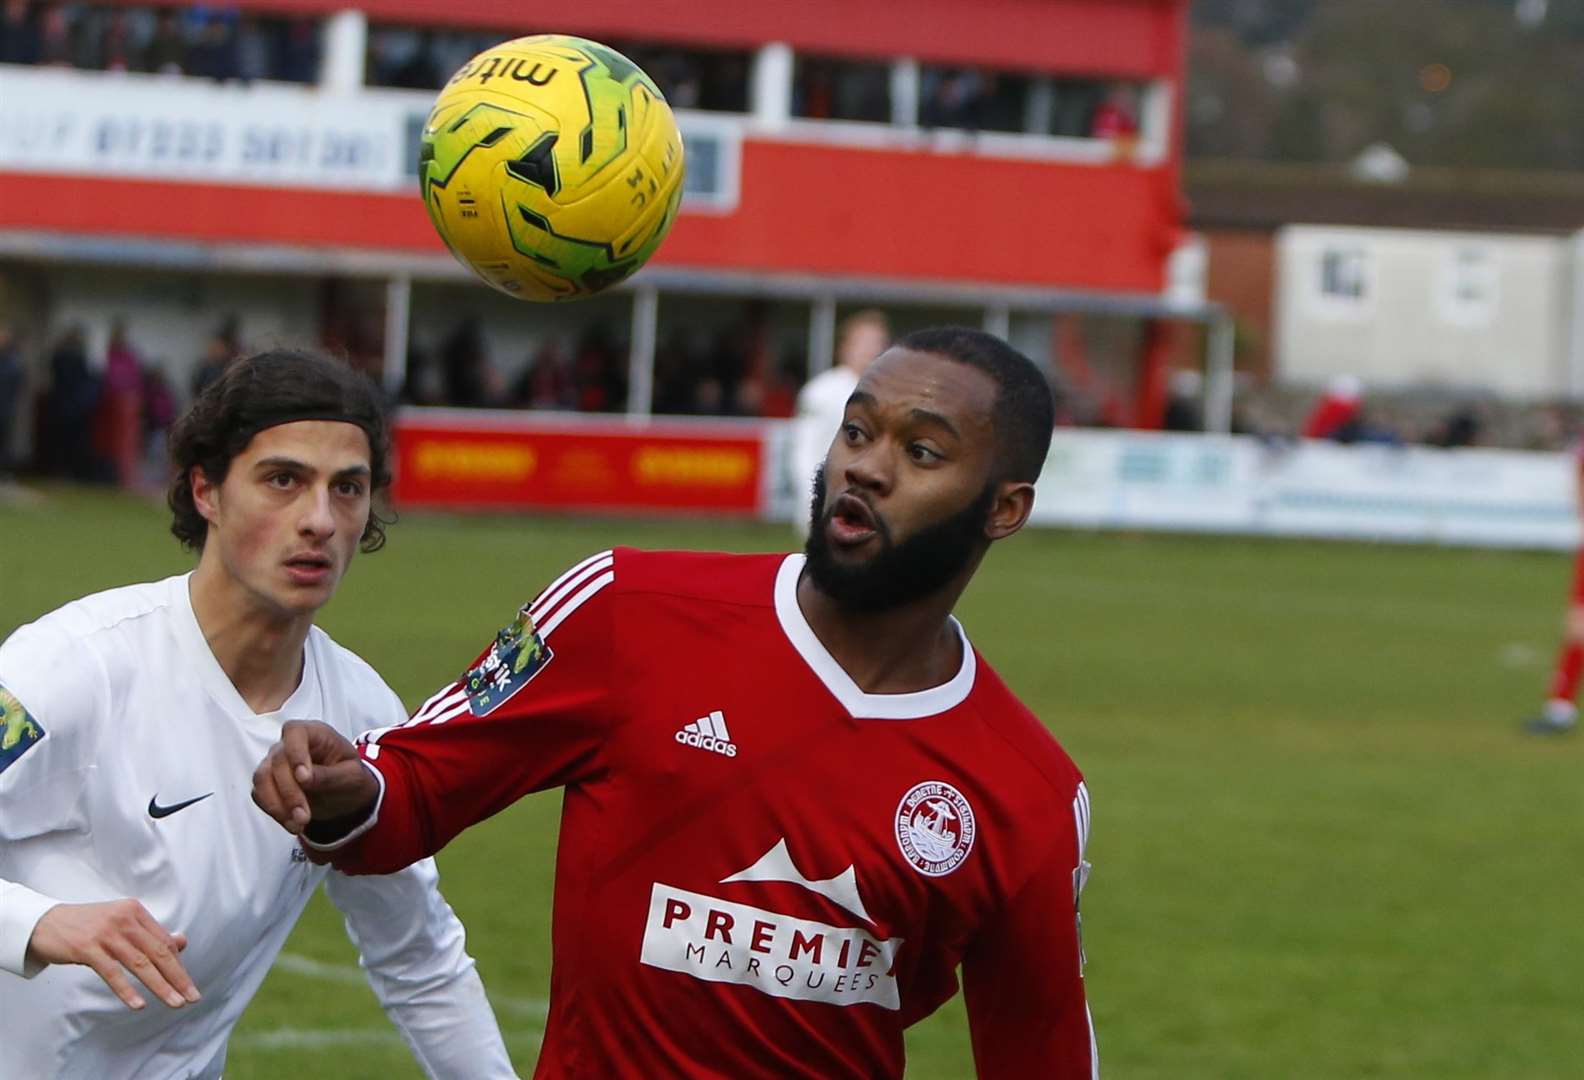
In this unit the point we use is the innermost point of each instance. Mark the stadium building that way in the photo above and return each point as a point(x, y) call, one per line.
point(248, 174)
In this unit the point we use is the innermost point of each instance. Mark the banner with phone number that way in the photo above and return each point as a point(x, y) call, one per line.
point(447, 459)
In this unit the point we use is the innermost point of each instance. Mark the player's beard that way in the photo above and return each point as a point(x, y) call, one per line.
point(899, 573)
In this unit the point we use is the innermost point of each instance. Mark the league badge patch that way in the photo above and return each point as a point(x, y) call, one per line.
point(18, 730)
point(516, 656)
point(934, 828)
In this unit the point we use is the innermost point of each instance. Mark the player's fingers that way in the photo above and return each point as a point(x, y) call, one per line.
point(267, 795)
point(160, 946)
point(294, 802)
point(128, 951)
point(296, 743)
point(115, 978)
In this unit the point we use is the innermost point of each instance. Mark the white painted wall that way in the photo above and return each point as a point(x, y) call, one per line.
point(1402, 308)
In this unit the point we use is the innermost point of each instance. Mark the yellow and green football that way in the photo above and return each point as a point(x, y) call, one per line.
point(551, 166)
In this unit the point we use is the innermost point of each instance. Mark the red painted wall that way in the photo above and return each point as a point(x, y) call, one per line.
point(1102, 37)
point(804, 208)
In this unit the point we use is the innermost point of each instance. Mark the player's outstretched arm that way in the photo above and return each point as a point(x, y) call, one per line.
point(114, 938)
point(314, 775)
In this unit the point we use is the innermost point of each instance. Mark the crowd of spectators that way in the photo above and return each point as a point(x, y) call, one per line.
point(734, 372)
point(96, 419)
point(208, 41)
point(103, 418)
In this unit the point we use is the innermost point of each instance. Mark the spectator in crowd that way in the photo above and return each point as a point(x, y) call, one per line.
point(822, 402)
point(166, 51)
point(546, 383)
point(69, 409)
point(470, 379)
point(115, 50)
point(216, 56)
point(1117, 116)
point(1337, 410)
point(673, 375)
point(298, 56)
point(12, 379)
point(424, 385)
point(1184, 392)
point(952, 99)
point(21, 40)
point(598, 374)
point(159, 413)
point(218, 351)
point(724, 82)
point(121, 406)
point(1461, 428)
point(256, 45)
point(418, 71)
point(55, 47)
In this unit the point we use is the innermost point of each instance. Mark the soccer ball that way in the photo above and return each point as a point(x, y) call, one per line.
point(551, 166)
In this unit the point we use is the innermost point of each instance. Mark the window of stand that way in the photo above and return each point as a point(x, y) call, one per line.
point(826, 88)
point(981, 99)
point(210, 42)
point(422, 58)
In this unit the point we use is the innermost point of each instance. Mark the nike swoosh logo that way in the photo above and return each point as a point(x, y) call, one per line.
point(158, 811)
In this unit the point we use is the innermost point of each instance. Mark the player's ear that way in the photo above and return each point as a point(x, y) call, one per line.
point(206, 494)
point(1010, 512)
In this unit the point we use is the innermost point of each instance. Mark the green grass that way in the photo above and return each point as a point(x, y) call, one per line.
point(1321, 850)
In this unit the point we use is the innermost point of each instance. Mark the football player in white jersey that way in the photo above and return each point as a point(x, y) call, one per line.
point(133, 863)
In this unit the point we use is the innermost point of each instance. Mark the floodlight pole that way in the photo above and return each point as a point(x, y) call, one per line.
point(641, 358)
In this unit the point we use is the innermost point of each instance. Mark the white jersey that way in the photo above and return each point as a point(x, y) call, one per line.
point(821, 404)
point(127, 772)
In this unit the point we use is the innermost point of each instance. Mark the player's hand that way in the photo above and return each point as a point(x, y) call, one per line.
point(114, 938)
point(313, 774)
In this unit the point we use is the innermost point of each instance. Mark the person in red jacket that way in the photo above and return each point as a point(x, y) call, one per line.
point(1336, 412)
point(797, 799)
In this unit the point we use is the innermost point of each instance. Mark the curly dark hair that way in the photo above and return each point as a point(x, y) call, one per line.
point(255, 392)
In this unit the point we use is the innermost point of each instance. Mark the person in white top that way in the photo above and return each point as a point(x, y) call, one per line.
point(822, 402)
point(133, 862)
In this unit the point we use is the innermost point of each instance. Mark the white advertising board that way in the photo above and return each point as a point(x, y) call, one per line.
point(1237, 484)
point(109, 124)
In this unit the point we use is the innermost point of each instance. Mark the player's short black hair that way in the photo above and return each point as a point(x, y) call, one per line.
point(1025, 408)
point(255, 392)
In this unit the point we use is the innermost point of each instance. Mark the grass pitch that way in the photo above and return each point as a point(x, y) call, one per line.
point(1321, 850)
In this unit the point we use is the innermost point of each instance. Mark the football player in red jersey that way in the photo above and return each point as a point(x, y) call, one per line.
point(797, 800)
point(1559, 714)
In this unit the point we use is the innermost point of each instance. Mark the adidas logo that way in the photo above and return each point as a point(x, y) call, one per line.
point(708, 733)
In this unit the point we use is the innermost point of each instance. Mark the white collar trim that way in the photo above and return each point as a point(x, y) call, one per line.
point(862, 706)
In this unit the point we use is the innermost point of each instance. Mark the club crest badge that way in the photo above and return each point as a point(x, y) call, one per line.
point(515, 657)
point(19, 730)
point(935, 828)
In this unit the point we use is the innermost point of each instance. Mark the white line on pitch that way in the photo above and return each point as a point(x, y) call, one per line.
point(316, 1038)
point(297, 964)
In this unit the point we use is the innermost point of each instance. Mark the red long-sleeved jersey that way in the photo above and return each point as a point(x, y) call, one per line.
point(763, 870)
